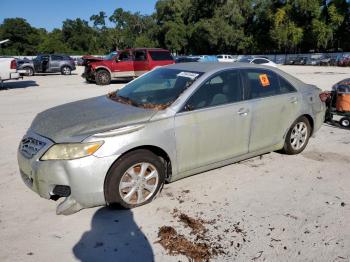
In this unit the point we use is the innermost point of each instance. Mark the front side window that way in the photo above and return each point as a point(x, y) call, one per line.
point(124, 56)
point(224, 88)
point(157, 90)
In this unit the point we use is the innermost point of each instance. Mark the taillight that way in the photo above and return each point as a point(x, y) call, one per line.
point(13, 64)
point(325, 95)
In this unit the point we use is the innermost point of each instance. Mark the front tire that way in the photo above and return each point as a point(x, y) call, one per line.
point(103, 77)
point(297, 137)
point(135, 179)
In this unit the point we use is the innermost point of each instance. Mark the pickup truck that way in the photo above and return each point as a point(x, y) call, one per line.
point(8, 69)
point(128, 64)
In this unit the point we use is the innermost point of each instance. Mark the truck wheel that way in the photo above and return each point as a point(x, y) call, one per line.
point(103, 77)
point(297, 136)
point(135, 179)
point(65, 70)
point(29, 71)
point(345, 122)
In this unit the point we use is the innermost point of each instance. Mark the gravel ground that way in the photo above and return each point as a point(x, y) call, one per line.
point(274, 208)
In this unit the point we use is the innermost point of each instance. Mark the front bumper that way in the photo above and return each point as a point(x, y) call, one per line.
point(85, 177)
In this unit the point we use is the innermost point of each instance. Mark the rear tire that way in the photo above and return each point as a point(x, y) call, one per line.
point(29, 71)
point(345, 122)
point(297, 137)
point(135, 179)
point(66, 70)
point(103, 77)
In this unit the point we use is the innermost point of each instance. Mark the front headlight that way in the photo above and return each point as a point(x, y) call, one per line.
point(71, 151)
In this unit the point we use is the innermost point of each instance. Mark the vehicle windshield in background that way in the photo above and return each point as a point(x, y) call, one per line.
point(157, 89)
point(245, 60)
point(110, 56)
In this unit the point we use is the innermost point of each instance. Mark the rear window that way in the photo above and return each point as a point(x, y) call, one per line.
point(160, 55)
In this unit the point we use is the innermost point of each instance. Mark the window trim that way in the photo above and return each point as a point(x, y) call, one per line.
point(182, 108)
point(278, 80)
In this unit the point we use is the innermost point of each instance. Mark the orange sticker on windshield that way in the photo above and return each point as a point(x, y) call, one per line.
point(264, 80)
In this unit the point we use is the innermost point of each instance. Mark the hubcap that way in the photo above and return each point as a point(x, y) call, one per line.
point(138, 183)
point(103, 78)
point(66, 70)
point(298, 136)
point(345, 122)
point(29, 71)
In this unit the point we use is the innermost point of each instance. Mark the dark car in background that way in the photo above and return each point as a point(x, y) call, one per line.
point(55, 63)
point(186, 59)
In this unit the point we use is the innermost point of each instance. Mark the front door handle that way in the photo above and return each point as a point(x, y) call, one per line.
point(243, 112)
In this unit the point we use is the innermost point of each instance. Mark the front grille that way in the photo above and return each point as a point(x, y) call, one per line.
point(29, 146)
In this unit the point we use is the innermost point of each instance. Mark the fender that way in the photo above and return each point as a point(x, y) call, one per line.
point(102, 67)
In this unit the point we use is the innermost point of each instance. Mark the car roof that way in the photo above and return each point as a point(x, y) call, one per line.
point(212, 67)
point(205, 67)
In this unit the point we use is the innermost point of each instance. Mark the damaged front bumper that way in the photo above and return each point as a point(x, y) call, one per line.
point(79, 181)
point(88, 74)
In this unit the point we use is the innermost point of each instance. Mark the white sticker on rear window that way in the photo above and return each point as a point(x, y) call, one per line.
point(188, 75)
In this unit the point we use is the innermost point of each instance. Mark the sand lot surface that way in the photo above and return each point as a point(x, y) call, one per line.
point(274, 208)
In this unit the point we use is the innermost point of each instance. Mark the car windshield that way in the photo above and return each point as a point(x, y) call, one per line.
point(156, 90)
point(110, 56)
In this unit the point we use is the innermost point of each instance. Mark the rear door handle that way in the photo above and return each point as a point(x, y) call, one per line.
point(243, 111)
point(293, 100)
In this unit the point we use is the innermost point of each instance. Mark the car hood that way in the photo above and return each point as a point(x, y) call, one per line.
point(75, 121)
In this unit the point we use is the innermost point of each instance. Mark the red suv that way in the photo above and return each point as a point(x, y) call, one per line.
point(128, 64)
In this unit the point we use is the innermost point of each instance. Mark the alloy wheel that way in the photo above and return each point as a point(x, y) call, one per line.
point(138, 183)
point(299, 135)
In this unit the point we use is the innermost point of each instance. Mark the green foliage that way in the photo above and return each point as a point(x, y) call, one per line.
point(194, 27)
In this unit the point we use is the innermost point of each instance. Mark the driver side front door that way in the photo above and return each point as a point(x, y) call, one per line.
point(215, 124)
point(123, 66)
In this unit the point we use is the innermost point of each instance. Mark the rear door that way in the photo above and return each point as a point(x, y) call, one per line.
point(214, 123)
point(141, 63)
point(123, 66)
point(37, 63)
point(275, 107)
point(55, 63)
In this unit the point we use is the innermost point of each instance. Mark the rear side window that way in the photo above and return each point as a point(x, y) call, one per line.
point(260, 83)
point(56, 58)
point(260, 61)
point(285, 86)
point(160, 55)
point(140, 55)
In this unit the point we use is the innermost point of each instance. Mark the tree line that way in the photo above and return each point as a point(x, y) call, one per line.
point(194, 27)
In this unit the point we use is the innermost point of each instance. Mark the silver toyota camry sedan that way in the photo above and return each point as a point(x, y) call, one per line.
point(172, 122)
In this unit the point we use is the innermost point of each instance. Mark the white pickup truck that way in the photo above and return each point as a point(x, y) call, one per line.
point(8, 69)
